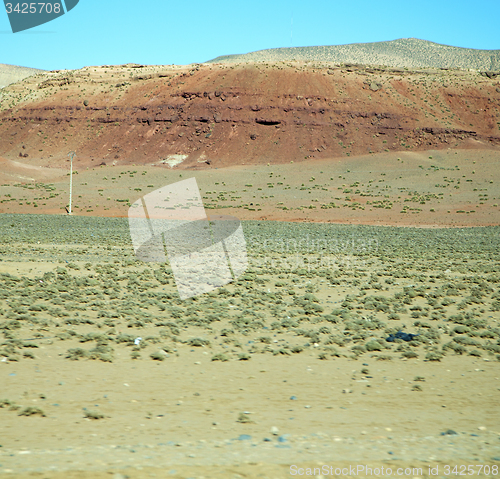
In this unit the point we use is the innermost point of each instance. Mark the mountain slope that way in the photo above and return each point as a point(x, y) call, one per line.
point(11, 74)
point(222, 115)
point(401, 53)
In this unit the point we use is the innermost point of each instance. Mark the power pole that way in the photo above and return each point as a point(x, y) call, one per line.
point(71, 154)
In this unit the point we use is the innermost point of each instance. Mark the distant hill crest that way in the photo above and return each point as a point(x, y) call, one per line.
point(401, 53)
point(12, 74)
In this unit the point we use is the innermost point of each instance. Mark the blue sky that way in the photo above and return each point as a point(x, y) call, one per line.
point(98, 32)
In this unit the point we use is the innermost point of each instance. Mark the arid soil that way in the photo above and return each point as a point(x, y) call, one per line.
point(179, 418)
point(428, 188)
point(105, 372)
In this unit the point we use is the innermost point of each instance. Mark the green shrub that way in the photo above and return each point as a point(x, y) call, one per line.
point(457, 348)
point(433, 356)
point(373, 346)
point(77, 353)
point(159, 355)
point(93, 415)
point(220, 357)
point(198, 342)
point(244, 419)
point(102, 352)
point(32, 411)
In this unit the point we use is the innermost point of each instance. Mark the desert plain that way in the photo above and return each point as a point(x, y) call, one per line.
point(365, 215)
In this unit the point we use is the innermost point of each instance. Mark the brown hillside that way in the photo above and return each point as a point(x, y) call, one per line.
point(222, 115)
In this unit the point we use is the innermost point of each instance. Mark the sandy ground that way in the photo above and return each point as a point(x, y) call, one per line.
point(431, 188)
point(178, 418)
point(189, 416)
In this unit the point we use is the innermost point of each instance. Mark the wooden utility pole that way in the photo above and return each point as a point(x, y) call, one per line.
point(71, 154)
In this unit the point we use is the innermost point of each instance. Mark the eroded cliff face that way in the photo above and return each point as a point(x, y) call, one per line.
point(207, 116)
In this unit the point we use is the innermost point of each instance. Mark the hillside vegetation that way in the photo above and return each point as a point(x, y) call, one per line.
point(401, 53)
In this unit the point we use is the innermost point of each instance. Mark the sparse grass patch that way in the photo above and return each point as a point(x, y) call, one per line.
point(93, 415)
point(32, 411)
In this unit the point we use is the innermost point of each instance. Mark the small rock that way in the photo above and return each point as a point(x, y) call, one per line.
point(274, 431)
point(282, 439)
point(449, 432)
point(293, 398)
point(244, 437)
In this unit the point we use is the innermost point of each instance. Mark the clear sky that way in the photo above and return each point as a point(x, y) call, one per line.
point(98, 32)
